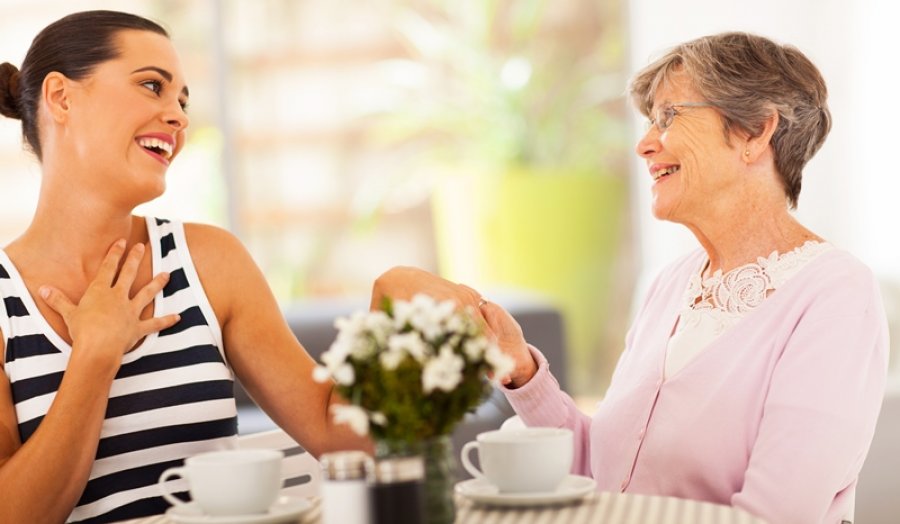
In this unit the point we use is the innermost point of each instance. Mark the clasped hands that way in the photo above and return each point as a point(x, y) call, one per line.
point(402, 283)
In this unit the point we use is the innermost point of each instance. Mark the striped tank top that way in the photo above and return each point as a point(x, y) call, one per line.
point(172, 398)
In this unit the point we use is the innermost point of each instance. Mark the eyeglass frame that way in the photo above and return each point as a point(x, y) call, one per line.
point(674, 110)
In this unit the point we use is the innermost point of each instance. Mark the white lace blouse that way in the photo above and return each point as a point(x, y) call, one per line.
point(713, 305)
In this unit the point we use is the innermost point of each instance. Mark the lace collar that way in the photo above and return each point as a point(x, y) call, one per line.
point(743, 288)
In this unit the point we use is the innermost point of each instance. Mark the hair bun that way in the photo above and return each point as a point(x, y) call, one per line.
point(9, 90)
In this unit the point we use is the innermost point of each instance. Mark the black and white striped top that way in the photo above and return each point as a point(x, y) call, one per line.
point(172, 398)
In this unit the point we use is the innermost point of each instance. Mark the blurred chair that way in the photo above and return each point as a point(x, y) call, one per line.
point(850, 514)
point(300, 470)
point(877, 500)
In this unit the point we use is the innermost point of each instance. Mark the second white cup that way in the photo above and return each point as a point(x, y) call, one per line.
point(228, 483)
point(526, 460)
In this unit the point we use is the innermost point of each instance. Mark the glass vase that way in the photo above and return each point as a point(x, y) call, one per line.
point(440, 474)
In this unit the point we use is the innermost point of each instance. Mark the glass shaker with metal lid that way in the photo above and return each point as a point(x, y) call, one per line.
point(345, 494)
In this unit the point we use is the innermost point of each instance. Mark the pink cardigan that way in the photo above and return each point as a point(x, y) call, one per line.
point(775, 416)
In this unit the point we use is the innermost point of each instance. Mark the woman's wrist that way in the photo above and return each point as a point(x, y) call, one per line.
point(526, 369)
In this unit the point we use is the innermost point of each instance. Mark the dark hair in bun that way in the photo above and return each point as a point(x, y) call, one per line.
point(9, 90)
point(74, 46)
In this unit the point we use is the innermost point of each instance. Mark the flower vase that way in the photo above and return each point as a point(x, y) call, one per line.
point(440, 475)
point(439, 480)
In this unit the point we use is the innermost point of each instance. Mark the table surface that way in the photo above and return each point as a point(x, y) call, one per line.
point(597, 508)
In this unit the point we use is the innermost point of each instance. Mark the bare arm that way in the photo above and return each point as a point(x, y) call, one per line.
point(261, 348)
point(42, 480)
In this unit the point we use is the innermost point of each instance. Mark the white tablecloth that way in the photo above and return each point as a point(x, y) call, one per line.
point(600, 508)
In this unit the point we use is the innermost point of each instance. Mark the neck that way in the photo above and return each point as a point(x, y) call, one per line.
point(747, 230)
point(73, 229)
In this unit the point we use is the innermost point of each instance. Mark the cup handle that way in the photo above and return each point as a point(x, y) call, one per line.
point(467, 462)
point(167, 474)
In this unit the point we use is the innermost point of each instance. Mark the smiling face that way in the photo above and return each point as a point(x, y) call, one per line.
point(127, 119)
point(692, 167)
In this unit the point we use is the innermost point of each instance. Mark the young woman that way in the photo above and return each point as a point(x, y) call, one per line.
point(120, 333)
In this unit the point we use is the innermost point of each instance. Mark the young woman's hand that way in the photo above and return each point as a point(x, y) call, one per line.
point(107, 319)
point(402, 283)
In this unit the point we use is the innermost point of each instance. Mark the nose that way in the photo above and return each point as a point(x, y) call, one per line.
point(649, 144)
point(176, 117)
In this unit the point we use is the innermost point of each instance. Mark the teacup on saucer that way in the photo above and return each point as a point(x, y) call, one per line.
point(572, 488)
point(285, 509)
point(525, 460)
point(230, 482)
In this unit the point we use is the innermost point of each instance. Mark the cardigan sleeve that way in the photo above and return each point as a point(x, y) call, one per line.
point(820, 410)
point(541, 402)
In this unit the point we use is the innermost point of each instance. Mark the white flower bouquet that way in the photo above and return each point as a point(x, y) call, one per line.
point(412, 370)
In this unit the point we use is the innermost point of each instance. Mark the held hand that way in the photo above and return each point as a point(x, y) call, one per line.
point(402, 283)
point(107, 318)
point(507, 334)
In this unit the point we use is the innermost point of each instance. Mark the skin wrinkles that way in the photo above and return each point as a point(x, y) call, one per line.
point(696, 143)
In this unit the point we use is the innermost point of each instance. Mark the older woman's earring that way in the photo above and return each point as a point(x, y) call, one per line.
point(746, 152)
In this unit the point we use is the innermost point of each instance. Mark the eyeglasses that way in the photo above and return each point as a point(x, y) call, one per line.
point(664, 115)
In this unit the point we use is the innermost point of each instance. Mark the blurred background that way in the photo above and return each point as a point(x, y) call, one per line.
point(487, 140)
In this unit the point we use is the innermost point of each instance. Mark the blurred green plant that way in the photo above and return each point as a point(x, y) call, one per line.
point(496, 84)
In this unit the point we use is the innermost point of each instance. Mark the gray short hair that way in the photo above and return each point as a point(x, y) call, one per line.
point(745, 77)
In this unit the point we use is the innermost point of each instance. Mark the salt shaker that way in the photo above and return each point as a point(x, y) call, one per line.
point(397, 490)
point(345, 494)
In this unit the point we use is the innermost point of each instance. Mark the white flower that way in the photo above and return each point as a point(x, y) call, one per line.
point(321, 374)
point(474, 348)
point(378, 418)
point(501, 363)
point(344, 375)
point(336, 365)
point(443, 372)
point(457, 324)
point(353, 416)
point(391, 359)
point(380, 325)
point(424, 314)
point(410, 343)
point(338, 352)
point(351, 325)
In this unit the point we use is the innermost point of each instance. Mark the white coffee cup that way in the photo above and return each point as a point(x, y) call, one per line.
point(231, 482)
point(526, 460)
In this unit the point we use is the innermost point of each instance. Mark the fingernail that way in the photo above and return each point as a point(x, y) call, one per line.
point(120, 242)
point(44, 292)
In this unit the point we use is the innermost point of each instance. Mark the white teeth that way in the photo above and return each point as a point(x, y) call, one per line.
point(162, 145)
point(667, 171)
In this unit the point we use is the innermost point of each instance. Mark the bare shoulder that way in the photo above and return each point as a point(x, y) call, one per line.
point(214, 248)
point(202, 238)
point(223, 264)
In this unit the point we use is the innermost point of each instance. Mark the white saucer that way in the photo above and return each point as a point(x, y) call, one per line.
point(285, 509)
point(573, 487)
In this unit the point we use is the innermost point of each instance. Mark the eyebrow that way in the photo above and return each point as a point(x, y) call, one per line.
point(163, 73)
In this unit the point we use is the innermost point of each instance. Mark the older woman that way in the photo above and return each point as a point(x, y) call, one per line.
point(754, 371)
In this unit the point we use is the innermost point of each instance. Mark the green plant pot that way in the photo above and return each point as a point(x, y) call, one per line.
point(553, 232)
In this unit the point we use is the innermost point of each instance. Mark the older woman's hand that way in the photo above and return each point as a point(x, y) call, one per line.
point(402, 283)
point(506, 333)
